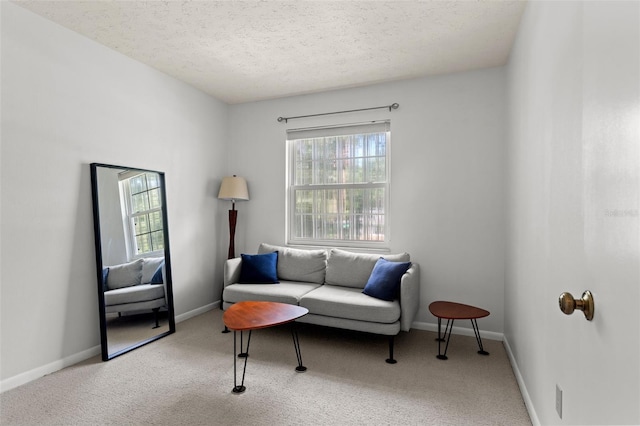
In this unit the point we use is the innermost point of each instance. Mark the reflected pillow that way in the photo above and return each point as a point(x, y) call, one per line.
point(125, 275)
point(157, 276)
point(259, 268)
point(384, 281)
point(150, 267)
point(105, 275)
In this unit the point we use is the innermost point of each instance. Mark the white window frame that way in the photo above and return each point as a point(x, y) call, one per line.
point(128, 217)
point(328, 131)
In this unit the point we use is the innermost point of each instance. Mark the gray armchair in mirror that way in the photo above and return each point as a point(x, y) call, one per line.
point(133, 263)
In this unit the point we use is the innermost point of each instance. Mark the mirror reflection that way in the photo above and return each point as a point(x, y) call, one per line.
point(132, 257)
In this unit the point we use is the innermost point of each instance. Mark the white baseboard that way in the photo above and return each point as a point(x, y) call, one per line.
point(490, 335)
point(36, 373)
point(523, 388)
point(197, 311)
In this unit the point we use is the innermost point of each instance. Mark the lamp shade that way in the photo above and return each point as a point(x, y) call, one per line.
point(233, 188)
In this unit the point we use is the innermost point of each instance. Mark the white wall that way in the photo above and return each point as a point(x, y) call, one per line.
point(573, 173)
point(67, 102)
point(447, 177)
point(112, 232)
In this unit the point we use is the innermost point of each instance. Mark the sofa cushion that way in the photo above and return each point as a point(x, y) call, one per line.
point(150, 266)
point(259, 268)
point(285, 292)
point(125, 275)
point(353, 269)
point(384, 281)
point(350, 303)
point(134, 294)
point(297, 264)
point(137, 306)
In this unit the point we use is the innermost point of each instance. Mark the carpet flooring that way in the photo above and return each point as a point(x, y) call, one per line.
point(186, 379)
point(125, 331)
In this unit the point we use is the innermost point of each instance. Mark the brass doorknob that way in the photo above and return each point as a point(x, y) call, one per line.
point(585, 304)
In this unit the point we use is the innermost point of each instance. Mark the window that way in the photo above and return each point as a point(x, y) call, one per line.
point(142, 202)
point(338, 187)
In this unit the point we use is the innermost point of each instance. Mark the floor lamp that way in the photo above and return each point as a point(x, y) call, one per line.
point(233, 188)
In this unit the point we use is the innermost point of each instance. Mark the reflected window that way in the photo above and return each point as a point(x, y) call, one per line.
point(141, 200)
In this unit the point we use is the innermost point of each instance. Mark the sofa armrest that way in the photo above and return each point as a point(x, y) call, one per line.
point(409, 296)
point(232, 271)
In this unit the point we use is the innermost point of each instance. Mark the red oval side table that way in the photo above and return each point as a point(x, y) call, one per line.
point(452, 311)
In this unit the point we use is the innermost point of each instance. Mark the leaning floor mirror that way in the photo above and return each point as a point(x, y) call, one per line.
point(133, 264)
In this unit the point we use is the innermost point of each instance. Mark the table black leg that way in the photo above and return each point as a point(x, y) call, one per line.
point(474, 324)
point(449, 328)
point(439, 338)
point(245, 353)
point(241, 388)
point(296, 345)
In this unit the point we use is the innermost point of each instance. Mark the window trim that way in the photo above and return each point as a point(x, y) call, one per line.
point(128, 217)
point(384, 245)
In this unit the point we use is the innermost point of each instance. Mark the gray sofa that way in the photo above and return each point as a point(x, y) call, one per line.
point(330, 284)
point(136, 286)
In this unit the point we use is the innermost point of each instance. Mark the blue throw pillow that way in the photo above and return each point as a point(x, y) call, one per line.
point(259, 268)
point(105, 276)
point(384, 281)
point(157, 276)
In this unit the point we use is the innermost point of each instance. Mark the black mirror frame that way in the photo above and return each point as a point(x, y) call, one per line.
point(99, 265)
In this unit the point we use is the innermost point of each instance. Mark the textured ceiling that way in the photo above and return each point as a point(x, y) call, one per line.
point(241, 51)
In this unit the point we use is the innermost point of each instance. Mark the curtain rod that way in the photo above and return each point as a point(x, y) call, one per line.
point(392, 106)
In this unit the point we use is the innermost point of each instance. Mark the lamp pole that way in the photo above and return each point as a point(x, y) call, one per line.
point(233, 219)
point(233, 188)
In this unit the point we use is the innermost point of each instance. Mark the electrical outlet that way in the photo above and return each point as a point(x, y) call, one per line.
point(559, 400)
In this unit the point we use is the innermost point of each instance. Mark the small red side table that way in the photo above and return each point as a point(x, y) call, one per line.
point(249, 316)
point(452, 311)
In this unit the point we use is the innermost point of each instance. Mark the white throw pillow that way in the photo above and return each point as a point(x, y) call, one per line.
point(125, 275)
point(298, 264)
point(350, 269)
point(149, 267)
